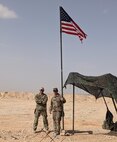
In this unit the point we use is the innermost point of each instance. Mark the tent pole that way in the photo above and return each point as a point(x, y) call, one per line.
point(104, 101)
point(73, 107)
point(114, 104)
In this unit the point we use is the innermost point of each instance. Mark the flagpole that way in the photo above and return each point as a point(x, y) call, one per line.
point(61, 60)
point(73, 109)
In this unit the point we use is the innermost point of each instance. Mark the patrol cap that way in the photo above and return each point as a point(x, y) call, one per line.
point(42, 89)
point(55, 89)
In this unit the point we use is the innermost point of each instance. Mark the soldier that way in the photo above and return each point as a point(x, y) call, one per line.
point(41, 109)
point(57, 109)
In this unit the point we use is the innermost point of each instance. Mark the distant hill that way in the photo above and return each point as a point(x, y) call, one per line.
point(18, 95)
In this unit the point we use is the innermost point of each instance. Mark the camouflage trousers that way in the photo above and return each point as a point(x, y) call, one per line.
point(45, 120)
point(56, 121)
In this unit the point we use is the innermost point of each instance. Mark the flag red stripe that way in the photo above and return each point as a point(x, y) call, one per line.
point(68, 32)
point(72, 27)
point(66, 23)
point(68, 28)
point(81, 35)
point(79, 29)
point(72, 31)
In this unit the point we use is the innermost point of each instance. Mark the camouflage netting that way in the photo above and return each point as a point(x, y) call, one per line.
point(104, 85)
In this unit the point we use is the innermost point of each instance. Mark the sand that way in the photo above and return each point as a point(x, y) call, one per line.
point(17, 115)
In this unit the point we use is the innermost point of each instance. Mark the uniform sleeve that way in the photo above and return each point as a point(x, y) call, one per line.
point(37, 100)
point(64, 100)
point(45, 99)
point(51, 106)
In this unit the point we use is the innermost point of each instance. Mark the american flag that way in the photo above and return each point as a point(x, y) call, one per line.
point(68, 26)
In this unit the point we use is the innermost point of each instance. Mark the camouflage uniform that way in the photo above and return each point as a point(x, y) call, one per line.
point(41, 101)
point(57, 109)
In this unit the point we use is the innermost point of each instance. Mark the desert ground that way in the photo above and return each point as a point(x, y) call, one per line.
point(17, 115)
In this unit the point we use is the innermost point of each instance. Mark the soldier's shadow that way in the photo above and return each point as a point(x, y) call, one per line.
point(39, 131)
point(112, 133)
point(43, 131)
point(72, 132)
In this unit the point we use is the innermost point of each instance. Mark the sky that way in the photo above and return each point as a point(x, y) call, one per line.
point(30, 42)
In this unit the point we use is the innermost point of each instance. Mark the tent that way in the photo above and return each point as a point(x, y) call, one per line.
point(99, 86)
point(106, 84)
